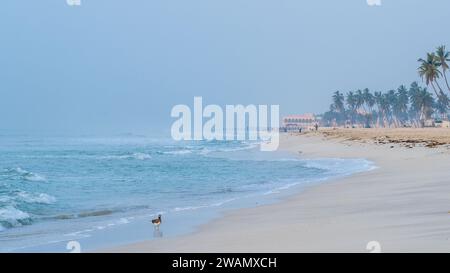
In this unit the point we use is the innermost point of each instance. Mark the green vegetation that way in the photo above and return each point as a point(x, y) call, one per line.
point(404, 106)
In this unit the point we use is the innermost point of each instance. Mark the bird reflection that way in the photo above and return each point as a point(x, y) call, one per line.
point(157, 233)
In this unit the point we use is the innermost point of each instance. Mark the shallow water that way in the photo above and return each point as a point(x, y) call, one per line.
point(95, 190)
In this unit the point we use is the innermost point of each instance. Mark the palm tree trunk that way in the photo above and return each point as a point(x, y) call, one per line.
point(437, 83)
point(435, 91)
point(446, 82)
point(397, 122)
point(422, 117)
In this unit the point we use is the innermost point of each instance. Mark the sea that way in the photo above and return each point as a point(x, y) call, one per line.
point(66, 194)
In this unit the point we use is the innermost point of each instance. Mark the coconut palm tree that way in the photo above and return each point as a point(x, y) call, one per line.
point(423, 102)
point(401, 107)
point(351, 102)
point(338, 102)
point(386, 109)
point(391, 108)
point(359, 99)
point(442, 106)
point(429, 71)
point(337, 108)
point(391, 101)
point(442, 58)
point(378, 101)
point(414, 109)
point(369, 100)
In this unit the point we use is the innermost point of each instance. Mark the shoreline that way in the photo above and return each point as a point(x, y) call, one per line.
point(403, 204)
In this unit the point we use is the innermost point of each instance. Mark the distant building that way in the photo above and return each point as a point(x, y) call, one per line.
point(299, 122)
point(443, 123)
point(429, 123)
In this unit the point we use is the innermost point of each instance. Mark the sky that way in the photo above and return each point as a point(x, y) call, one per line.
point(116, 66)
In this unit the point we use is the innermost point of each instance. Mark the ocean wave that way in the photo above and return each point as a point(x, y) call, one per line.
point(84, 214)
point(216, 204)
point(180, 152)
point(137, 156)
point(24, 174)
point(141, 156)
point(339, 166)
point(223, 190)
point(247, 146)
point(123, 221)
point(236, 149)
point(209, 147)
point(177, 209)
point(40, 198)
point(13, 217)
point(220, 203)
point(5, 199)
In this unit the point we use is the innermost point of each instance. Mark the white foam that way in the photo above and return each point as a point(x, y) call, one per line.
point(21, 171)
point(141, 156)
point(340, 166)
point(271, 192)
point(35, 177)
point(181, 152)
point(12, 215)
point(248, 147)
point(30, 176)
point(218, 204)
point(137, 156)
point(5, 199)
point(41, 198)
point(123, 221)
point(188, 208)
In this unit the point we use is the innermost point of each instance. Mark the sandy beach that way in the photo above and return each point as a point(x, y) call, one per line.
point(403, 204)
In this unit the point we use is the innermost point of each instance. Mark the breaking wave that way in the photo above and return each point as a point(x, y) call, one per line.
point(13, 217)
point(136, 156)
point(21, 174)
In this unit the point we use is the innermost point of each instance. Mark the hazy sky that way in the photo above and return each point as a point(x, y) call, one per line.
point(116, 66)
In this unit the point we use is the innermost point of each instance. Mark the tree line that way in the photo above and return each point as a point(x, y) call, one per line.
point(404, 106)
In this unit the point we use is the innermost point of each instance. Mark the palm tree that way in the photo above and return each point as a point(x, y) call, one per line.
point(429, 71)
point(369, 100)
point(391, 101)
point(378, 101)
point(337, 108)
point(414, 110)
point(338, 102)
point(351, 101)
point(401, 107)
point(442, 58)
point(442, 106)
point(393, 108)
point(423, 102)
point(359, 99)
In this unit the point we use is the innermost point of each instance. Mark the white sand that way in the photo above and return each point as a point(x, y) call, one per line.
point(404, 205)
